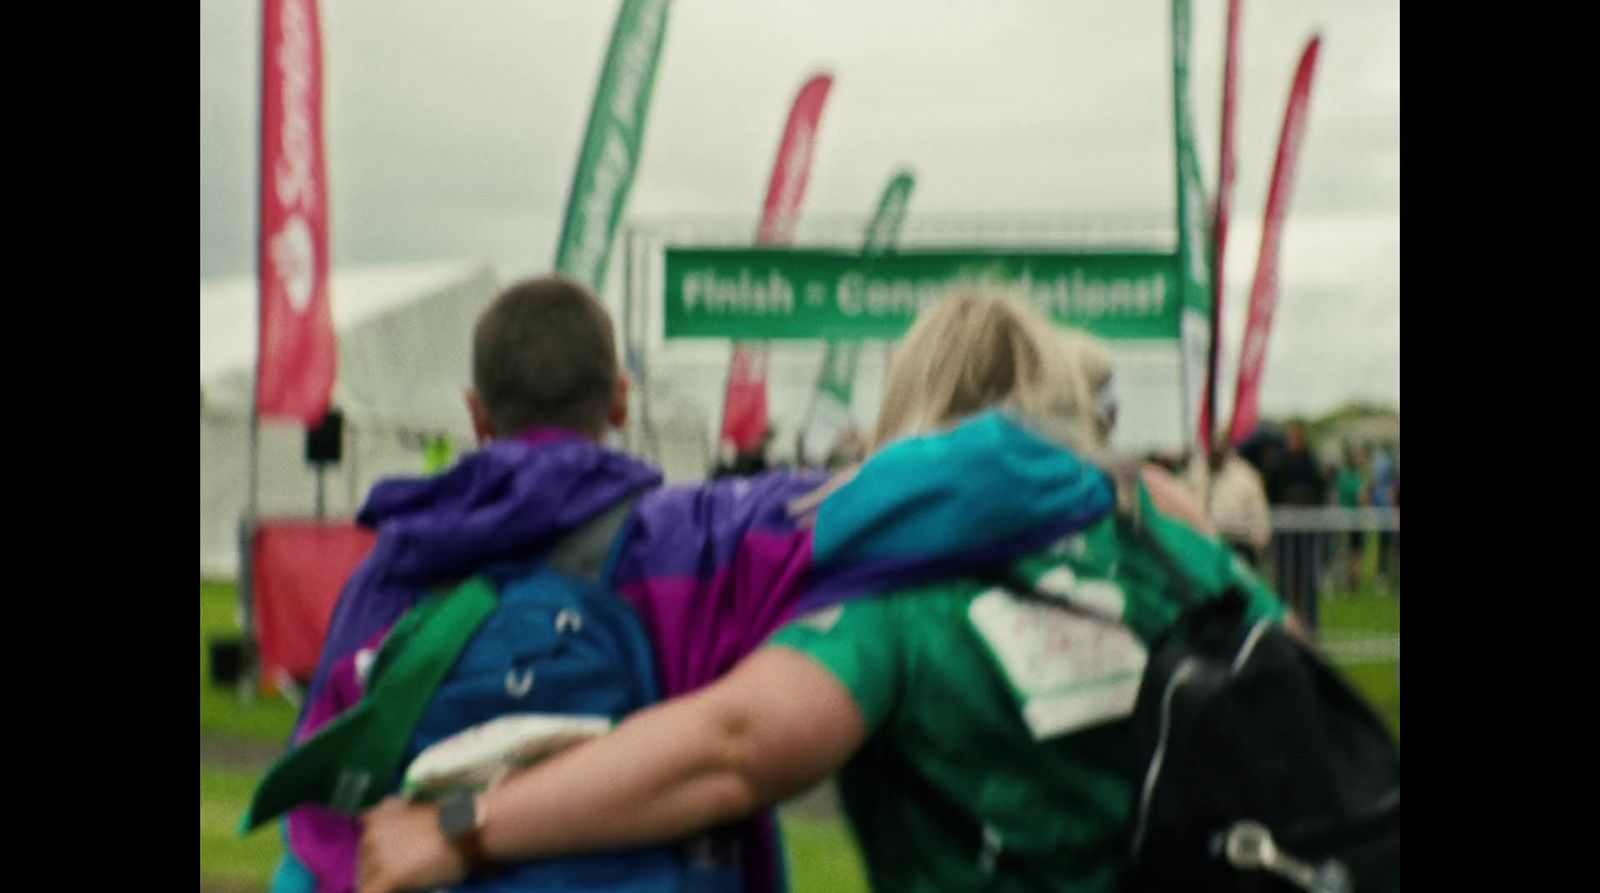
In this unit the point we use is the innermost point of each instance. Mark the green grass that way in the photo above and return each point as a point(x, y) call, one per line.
point(1366, 611)
point(222, 712)
point(225, 857)
point(822, 856)
point(1366, 615)
point(1380, 682)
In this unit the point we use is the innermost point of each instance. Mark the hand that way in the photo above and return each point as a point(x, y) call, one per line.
point(403, 849)
point(1172, 498)
point(803, 507)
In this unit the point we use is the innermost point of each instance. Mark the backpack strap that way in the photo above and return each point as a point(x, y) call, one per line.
point(1133, 515)
point(590, 550)
point(1138, 515)
point(349, 764)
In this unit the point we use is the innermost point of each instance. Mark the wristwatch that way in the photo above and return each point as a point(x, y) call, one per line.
point(460, 820)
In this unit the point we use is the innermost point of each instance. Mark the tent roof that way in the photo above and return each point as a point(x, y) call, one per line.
point(228, 316)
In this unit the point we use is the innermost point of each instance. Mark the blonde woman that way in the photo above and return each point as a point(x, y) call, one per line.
point(942, 684)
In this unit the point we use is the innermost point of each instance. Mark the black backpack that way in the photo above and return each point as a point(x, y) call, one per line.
point(1263, 769)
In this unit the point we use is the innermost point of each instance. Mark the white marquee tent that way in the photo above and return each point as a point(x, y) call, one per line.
point(404, 363)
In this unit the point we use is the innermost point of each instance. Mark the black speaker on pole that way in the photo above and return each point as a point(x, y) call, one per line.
point(325, 443)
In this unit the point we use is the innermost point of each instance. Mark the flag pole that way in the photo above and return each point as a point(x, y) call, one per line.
point(722, 417)
point(805, 423)
point(246, 584)
point(255, 378)
point(1226, 174)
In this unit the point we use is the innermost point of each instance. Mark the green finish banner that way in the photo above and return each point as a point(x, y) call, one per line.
point(610, 153)
point(804, 294)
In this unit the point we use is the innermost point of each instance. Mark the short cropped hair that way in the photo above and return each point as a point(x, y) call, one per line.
point(544, 354)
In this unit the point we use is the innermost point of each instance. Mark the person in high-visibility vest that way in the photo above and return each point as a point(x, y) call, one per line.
point(436, 454)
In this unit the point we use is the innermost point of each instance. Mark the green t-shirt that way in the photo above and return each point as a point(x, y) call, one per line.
point(1349, 485)
point(925, 670)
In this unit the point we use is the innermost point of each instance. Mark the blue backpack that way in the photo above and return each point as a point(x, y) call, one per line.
point(553, 637)
point(563, 641)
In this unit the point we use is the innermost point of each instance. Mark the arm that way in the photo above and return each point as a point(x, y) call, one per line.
point(775, 726)
point(1174, 498)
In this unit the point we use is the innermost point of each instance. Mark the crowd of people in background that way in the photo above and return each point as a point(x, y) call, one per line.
point(849, 447)
point(1274, 469)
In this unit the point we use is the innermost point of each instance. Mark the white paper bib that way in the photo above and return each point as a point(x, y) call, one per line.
point(1068, 671)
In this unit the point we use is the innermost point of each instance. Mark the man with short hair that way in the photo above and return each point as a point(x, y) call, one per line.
point(546, 388)
point(544, 356)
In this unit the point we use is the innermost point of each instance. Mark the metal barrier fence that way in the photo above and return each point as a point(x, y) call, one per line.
point(1339, 569)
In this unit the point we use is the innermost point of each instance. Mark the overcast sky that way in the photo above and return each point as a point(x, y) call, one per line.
point(453, 129)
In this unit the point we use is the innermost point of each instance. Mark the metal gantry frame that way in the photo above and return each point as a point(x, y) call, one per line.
point(644, 242)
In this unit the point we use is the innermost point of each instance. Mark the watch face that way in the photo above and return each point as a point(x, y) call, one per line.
point(457, 815)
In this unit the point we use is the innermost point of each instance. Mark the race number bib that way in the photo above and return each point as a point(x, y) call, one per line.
point(1068, 670)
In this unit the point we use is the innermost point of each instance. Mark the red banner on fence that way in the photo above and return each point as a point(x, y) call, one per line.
point(298, 352)
point(298, 570)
